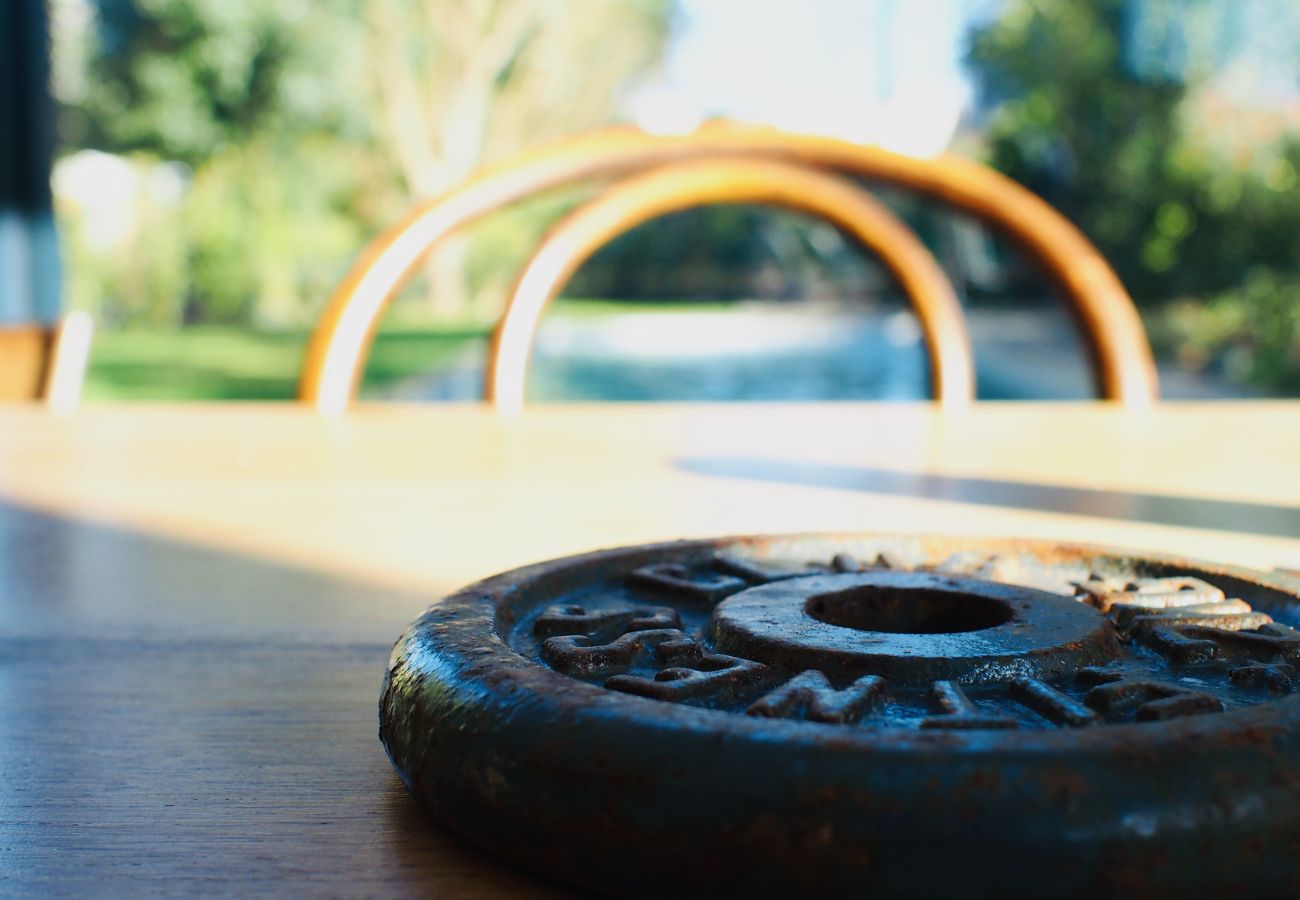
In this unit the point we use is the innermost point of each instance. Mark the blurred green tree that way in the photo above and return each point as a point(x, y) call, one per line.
point(1119, 150)
point(460, 83)
point(305, 127)
point(1143, 155)
point(257, 104)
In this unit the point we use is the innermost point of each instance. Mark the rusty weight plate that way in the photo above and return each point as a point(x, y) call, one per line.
point(863, 715)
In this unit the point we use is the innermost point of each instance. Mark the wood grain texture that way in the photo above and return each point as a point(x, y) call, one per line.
point(229, 752)
point(197, 603)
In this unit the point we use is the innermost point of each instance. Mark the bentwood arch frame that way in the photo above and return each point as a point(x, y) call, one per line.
point(683, 185)
point(338, 346)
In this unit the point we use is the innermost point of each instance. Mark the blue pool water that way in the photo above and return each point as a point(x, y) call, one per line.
point(763, 353)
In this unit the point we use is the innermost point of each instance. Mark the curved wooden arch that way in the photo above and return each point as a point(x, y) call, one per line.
point(705, 182)
point(341, 339)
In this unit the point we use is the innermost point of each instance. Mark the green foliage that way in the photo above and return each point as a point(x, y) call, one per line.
point(187, 79)
point(303, 127)
point(1140, 157)
point(459, 83)
point(220, 363)
point(256, 105)
point(271, 230)
point(728, 251)
point(1251, 334)
point(139, 278)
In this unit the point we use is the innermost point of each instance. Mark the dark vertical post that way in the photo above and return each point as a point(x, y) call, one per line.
point(29, 258)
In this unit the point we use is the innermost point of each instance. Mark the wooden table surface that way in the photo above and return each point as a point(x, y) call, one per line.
point(197, 602)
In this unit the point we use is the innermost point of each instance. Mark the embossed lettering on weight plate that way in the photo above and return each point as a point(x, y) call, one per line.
point(724, 575)
point(1204, 636)
point(574, 619)
point(809, 695)
point(631, 635)
point(690, 671)
point(1190, 621)
point(960, 712)
point(577, 654)
point(579, 642)
point(1118, 694)
point(1055, 706)
point(1272, 677)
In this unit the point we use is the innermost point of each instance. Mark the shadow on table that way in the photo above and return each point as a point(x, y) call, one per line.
point(1162, 509)
point(177, 718)
point(62, 574)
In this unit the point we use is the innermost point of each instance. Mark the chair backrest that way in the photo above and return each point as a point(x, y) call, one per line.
point(682, 185)
point(46, 363)
point(1123, 366)
point(24, 361)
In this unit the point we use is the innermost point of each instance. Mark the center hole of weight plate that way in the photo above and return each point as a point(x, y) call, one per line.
point(900, 610)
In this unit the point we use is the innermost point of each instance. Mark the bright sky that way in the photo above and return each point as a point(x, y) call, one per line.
point(873, 71)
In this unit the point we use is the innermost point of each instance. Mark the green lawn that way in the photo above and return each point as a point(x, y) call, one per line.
point(210, 363)
point(222, 363)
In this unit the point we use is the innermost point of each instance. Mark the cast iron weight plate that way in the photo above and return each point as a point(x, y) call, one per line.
point(863, 715)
